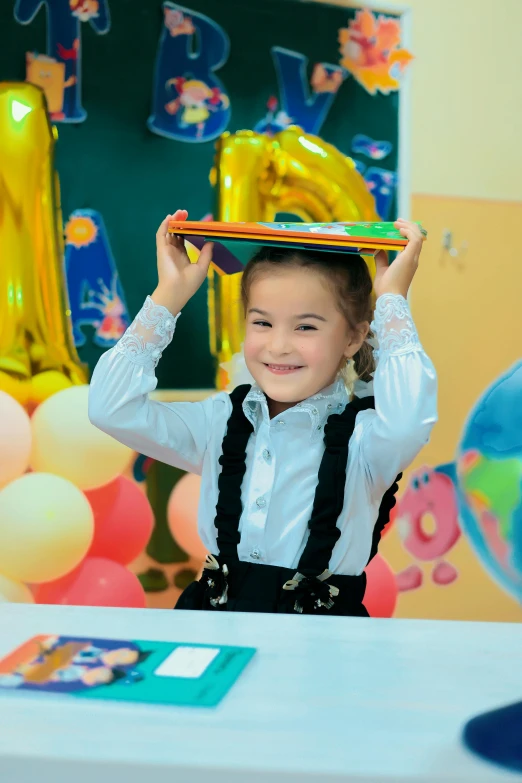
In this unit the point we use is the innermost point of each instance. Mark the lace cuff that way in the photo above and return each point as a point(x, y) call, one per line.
point(148, 335)
point(394, 327)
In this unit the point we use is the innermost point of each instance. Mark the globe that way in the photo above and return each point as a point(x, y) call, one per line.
point(489, 486)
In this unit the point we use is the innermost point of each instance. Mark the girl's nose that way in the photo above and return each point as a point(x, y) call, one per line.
point(280, 343)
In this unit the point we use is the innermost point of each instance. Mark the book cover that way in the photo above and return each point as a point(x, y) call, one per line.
point(235, 243)
point(169, 673)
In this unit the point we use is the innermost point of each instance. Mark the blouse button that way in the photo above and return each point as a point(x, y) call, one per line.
point(340, 405)
point(255, 554)
point(266, 455)
point(261, 502)
point(319, 427)
point(329, 406)
point(315, 411)
point(281, 422)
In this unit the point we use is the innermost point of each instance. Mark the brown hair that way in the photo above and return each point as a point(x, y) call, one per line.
point(349, 278)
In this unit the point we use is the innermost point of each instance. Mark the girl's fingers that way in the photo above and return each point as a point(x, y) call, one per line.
point(205, 257)
point(381, 261)
point(162, 230)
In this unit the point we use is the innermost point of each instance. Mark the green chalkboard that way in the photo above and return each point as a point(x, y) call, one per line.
point(112, 163)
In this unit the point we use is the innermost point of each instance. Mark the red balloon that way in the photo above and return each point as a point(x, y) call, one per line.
point(95, 582)
point(123, 521)
point(380, 598)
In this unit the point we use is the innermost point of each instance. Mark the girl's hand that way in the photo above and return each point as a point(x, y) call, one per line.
point(396, 278)
point(178, 279)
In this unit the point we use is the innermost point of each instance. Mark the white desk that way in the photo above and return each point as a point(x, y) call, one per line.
point(325, 699)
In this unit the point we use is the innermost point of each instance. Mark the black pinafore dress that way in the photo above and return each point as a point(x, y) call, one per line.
point(230, 584)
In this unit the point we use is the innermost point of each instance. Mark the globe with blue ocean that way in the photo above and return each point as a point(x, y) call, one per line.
point(489, 486)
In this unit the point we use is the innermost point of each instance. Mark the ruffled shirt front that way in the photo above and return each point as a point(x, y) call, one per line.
point(284, 453)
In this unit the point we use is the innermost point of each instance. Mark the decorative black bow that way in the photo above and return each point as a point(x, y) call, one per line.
point(215, 580)
point(312, 594)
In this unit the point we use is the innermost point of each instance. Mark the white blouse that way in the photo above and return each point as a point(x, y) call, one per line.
point(284, 453)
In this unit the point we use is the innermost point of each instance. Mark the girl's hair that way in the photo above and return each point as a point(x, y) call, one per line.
point(348, 277)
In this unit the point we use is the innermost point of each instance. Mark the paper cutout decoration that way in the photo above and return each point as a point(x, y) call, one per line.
point(376, 150)
point(95, 293)
point(370, 51)
point(430, 491)
point(303, 104)
point(382, 184)
point(59, 71)
point(147, 672)
point(190, 103)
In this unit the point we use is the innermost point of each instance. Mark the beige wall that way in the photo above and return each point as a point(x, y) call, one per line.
point(466, 122)
point(469, 318)
point(466, 176)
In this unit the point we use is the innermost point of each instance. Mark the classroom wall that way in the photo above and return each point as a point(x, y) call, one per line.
point(466, 176)
point(466, 114)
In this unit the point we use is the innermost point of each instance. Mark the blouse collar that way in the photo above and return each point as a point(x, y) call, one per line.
point(333, 399)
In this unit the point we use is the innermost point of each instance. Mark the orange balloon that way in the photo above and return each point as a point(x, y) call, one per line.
point(182, 514)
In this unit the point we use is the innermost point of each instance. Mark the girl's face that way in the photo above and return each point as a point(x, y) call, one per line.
point(296, 337)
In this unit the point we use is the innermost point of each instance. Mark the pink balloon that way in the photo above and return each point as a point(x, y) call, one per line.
point(123, 521)
point(96, 582)
point(380, 598)
point(182, 513)
point(15, 439)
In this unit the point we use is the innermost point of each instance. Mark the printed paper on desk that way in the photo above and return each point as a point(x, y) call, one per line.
point(121, 670)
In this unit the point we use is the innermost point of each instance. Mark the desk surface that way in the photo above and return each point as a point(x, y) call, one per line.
point(325, 699)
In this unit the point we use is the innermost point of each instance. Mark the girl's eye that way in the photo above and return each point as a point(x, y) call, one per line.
point(306, 328)
point(261, 323)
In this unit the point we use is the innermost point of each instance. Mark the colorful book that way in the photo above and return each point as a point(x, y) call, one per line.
point(170, 673)
point(236, 242)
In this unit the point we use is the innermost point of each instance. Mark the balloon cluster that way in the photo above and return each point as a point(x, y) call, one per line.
point(70, 522)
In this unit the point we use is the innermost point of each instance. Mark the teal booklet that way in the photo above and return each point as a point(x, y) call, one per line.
point(177, 674)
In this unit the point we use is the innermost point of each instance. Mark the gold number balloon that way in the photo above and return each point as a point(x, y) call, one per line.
point(37, 353)
point(256, 177)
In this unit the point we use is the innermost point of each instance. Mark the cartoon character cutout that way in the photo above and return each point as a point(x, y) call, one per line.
point(49, 74)
point(195, 101)
point(370, 51)
point(177, 23)
point(84, 10)
point(323, 81)
point(274, 121)
point(71, 665)
point(112, 308)
point(430, 492)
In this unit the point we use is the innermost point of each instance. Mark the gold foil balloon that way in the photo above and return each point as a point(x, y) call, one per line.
point(35, 331)
point(258, 176)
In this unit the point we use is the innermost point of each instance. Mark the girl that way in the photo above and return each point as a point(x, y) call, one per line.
point(298, 480)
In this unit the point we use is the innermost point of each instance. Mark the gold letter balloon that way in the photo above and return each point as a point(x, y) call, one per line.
point(37, 353)
point(257, 177)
